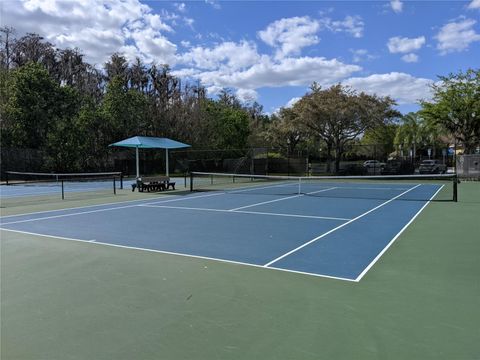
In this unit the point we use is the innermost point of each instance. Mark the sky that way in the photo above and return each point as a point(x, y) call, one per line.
point(270, 51)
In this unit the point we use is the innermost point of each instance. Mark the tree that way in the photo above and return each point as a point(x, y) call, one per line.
point(228, 127)
point(117, 67)
point(65, 138)
point(339, 115)
point(416, 132)
point(32, 48)
point(456, 107)
point(228, 98)
point(32, 108)
point(7, 46)
point(381, 138)
point(123, 110)
point(409, 133)
point(286, 130)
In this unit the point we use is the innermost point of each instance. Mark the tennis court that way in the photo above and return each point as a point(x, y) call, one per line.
point(328, 228)
point(244, 266)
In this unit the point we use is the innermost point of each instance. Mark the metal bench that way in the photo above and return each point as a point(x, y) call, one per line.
point(153, 183)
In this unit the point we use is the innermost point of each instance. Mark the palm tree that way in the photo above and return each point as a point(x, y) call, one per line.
point(409, 132)
point(431, 133)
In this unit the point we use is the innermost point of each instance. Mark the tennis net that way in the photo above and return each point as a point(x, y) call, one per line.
point(73, 182)
point(442, 187)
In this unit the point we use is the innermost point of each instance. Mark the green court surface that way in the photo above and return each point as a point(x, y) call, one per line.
point(70, 300)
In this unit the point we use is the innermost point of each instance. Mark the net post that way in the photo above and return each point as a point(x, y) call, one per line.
point(455, 188)
point(121, 180)
point(63, 192)
point(114, 186)
point(299, 186)
point(185, 179)
point(6, 177)
point(191, 181)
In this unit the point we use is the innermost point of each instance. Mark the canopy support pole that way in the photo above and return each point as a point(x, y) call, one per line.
point(166, 162)
point(137, 162)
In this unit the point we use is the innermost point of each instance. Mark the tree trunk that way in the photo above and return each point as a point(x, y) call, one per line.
point(338, 155)
point(329, 150)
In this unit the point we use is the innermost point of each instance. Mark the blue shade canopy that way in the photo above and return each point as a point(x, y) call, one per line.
point(147, 142)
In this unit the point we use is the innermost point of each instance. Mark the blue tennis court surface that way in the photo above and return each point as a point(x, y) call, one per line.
point(330, 235)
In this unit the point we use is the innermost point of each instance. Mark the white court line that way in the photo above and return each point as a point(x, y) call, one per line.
point(264, 202)
point(98, 210)
point(66, 215)
point(251, 188)
point(81, 207)
point(337, 228)
point(49, 236)
point(368, 188)
point(94, 242)
point(185, 198)
point(244, 212)
point(285, 198)
point(106, 204)
point(362, 274)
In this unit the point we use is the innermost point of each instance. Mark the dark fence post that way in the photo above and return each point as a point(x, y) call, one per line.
point(455, 188)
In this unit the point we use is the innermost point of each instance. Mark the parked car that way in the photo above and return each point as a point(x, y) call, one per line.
point(432, 167)
point(398, 167)
point(373, 164)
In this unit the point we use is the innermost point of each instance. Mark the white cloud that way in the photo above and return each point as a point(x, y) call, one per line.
point(360, 55)
point(456, 36)
point(396, 5)
point(231, 55)
point(153, 46)
point(189, 22)
point(290, 35)
point(180, 7)
point(286, 72)
point(98, 28)
point(186, 73)
point(352, 25)
point(289, 104)
point(475, 4)
point(398, 44)
point(410, 58)
point(246, 95)
point(292, 102)
point(214, 3)
point(404, 88)
point(214, 90)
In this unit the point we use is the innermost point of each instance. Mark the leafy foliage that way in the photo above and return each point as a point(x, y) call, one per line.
point(339, 115)
point(286, 131)
point(456, 107)
point(52, 100)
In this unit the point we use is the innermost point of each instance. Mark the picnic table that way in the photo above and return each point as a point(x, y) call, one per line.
point(153, 183)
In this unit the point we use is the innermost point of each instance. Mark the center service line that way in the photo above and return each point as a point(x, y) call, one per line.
point(337, 228)
point(285, 198)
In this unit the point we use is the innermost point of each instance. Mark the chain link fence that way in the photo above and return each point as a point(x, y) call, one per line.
point(354, 159)
point(468, 166)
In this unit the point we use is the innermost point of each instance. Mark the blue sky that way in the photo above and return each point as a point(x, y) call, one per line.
point(271, 51)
